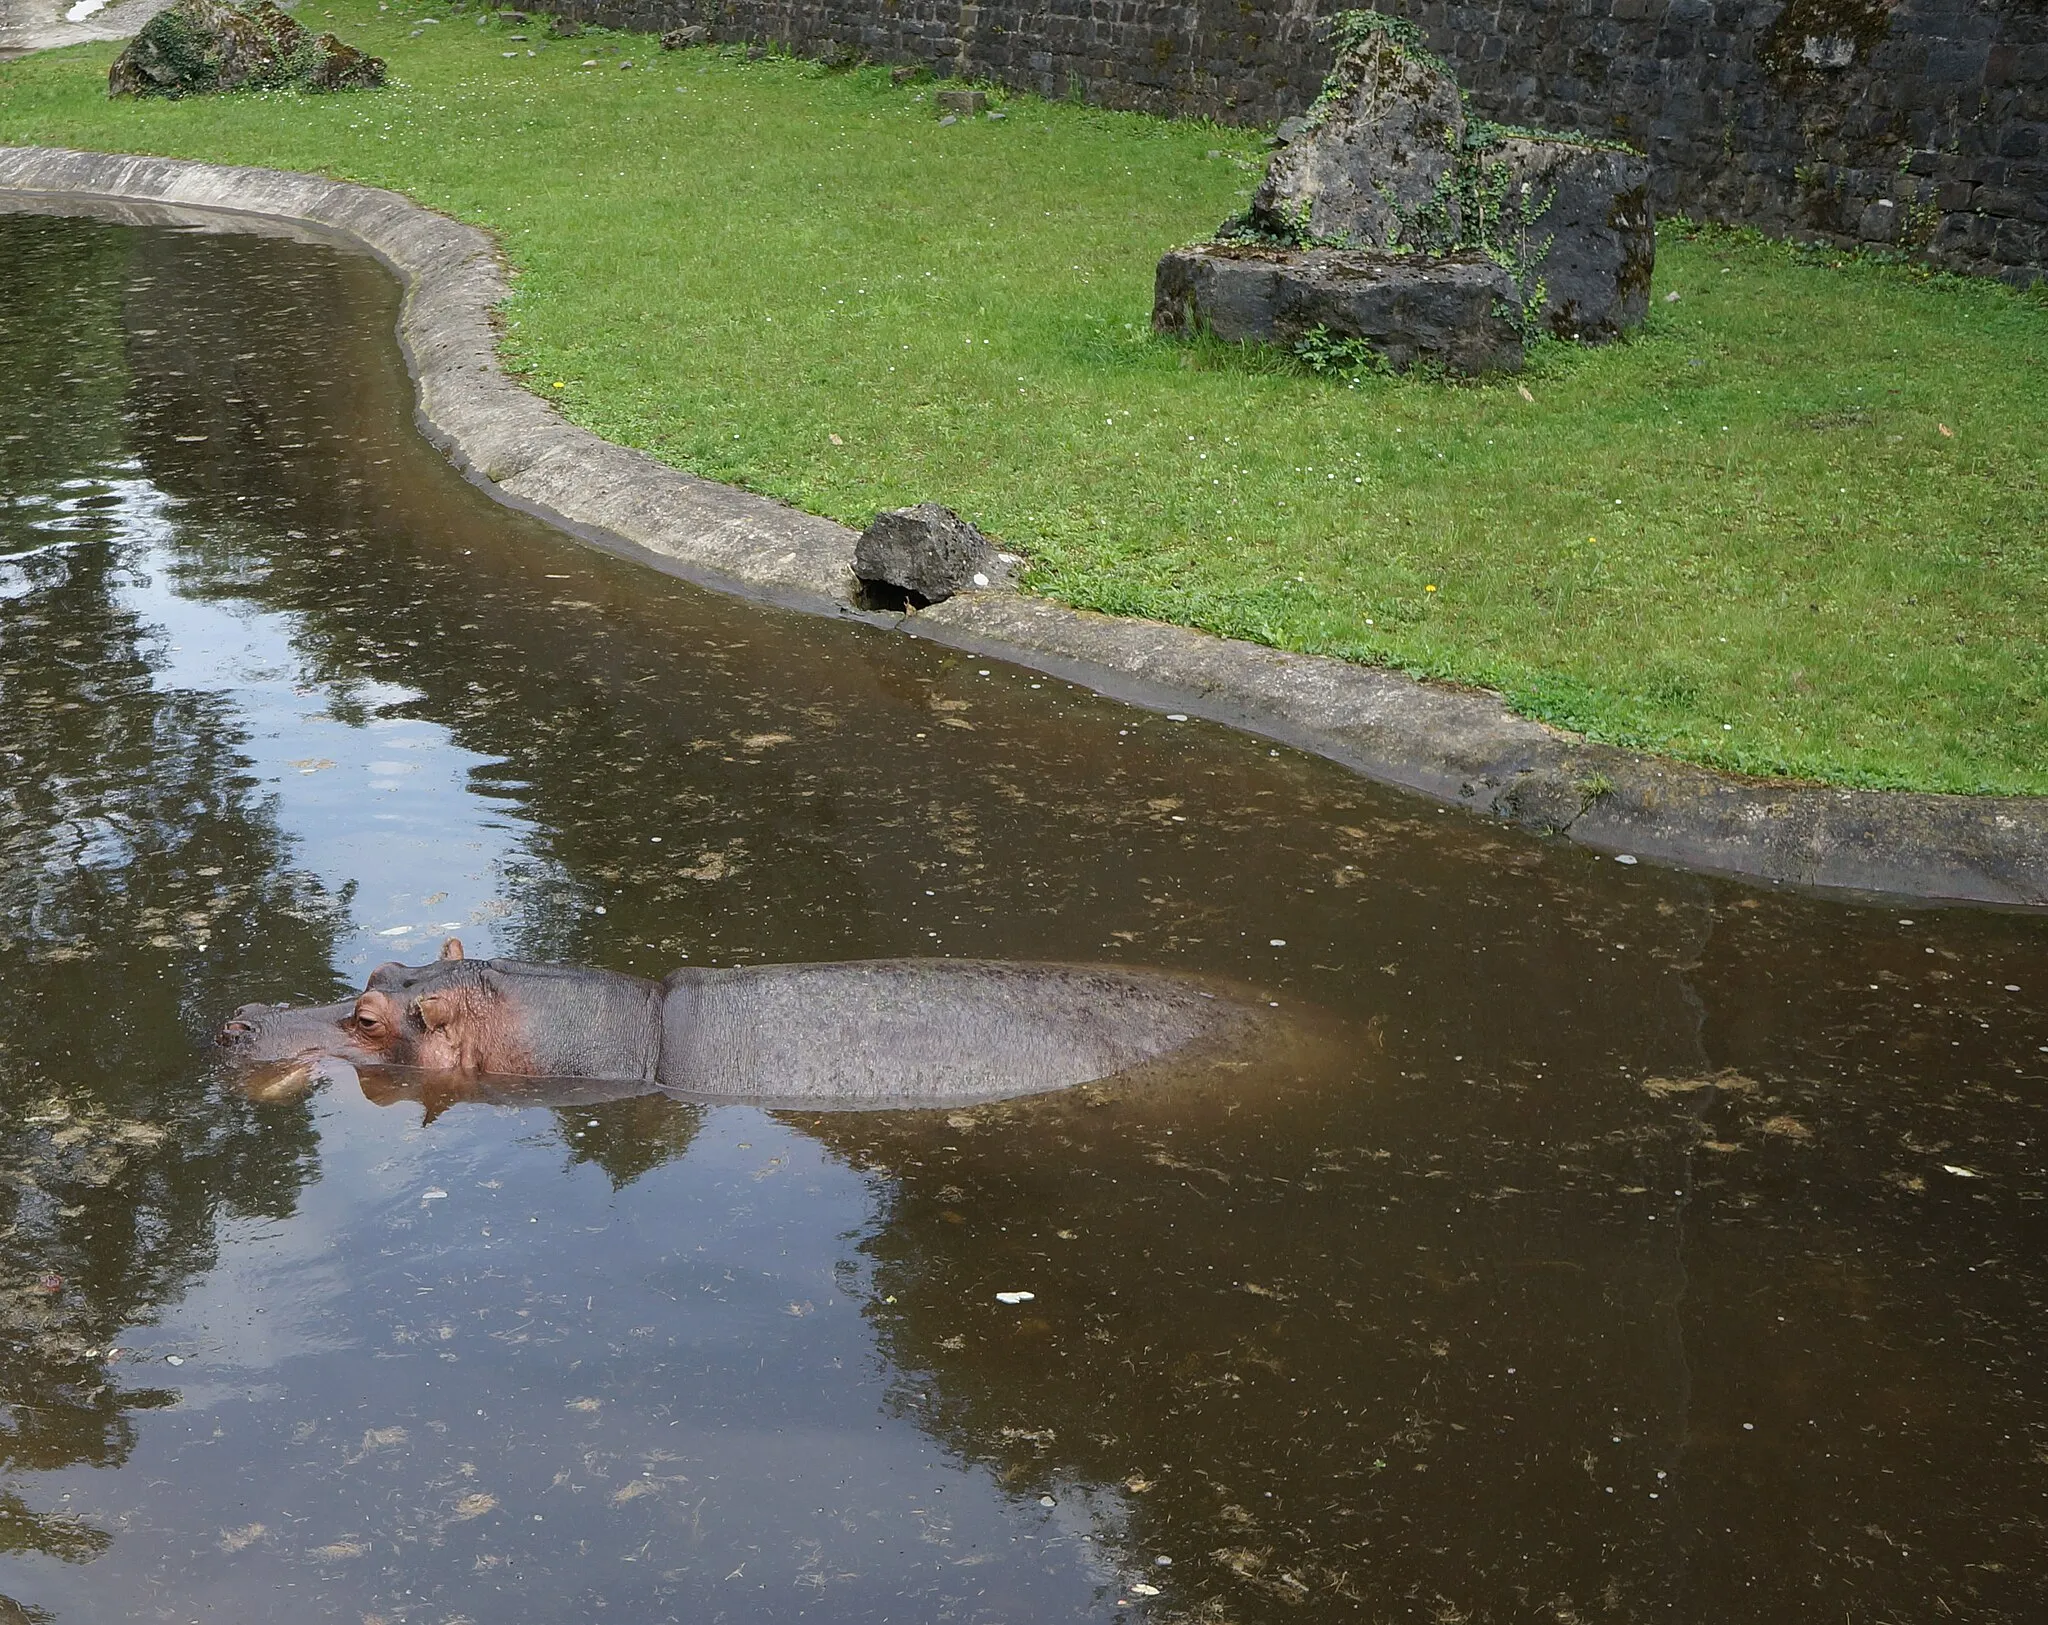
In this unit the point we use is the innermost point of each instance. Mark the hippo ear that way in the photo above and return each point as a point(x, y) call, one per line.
point(452, 948)
point(437, 1009)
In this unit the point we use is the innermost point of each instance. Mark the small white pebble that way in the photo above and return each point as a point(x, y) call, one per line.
point(1176, 716)
point(1624, 857)
point(1277, 942)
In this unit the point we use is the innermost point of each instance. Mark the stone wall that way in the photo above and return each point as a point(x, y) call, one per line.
point(1920, 124)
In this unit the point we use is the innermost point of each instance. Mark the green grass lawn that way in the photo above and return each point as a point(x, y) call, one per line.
point(1743, 538)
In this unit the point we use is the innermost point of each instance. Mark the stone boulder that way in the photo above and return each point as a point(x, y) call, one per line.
point(1385, 218)
point(1578, 223)
point(1376, 163)
point(681, 39)
point(1454, 311)
point(201, 46)
point(928, 553)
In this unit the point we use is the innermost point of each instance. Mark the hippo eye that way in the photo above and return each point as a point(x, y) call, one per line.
point(368, 1023)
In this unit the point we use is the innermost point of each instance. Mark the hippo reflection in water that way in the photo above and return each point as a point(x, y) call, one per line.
point(864, 1033)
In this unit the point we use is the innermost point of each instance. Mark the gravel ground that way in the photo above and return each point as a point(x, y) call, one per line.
point(40, 25)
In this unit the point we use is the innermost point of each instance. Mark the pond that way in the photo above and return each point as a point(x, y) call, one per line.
point(1643, 1246)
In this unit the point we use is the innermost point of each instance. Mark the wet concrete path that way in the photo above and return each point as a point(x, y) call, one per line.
point(1642, 1245)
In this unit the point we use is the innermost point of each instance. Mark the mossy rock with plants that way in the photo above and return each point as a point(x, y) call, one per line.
point(200, 47)
point(1382, 142)
point(1387, 162)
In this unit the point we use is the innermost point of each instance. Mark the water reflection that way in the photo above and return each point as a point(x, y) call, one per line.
point(143, 876)
point(1652, 1246)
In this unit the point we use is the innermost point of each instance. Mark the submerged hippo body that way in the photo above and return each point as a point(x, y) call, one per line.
point(884, 1032)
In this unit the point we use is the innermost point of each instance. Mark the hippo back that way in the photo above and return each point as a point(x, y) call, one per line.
point(924, 1032)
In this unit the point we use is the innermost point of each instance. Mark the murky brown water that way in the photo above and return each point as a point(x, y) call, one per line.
point(1657, 1249)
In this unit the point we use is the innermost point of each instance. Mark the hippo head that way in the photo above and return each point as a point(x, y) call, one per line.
point(449, 1016)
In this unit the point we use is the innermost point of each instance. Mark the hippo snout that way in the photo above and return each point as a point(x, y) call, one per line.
point(243, 1025)
point(275, 1032)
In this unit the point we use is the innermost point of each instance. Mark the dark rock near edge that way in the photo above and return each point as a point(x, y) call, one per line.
point(201, 46)
point(1456, 311)
point(1581, 226)
point(927, 552)
point(1379, 151)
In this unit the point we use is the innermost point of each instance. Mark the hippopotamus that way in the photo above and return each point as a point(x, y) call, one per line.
point(860, 1033)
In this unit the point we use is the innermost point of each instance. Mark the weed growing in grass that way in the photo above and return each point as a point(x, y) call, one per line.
point(1324, 352)
point(1741, 537)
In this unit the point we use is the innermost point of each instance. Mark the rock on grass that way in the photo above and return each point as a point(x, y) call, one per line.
point(1378, 150)
point(197, 47)
point(1578, 214)
point(927, 552)
point(1453, 311)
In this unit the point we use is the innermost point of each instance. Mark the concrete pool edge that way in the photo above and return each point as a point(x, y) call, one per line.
point(1458, 746)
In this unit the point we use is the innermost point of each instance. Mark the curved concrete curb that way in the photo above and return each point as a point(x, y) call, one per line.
point(1459, 746)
